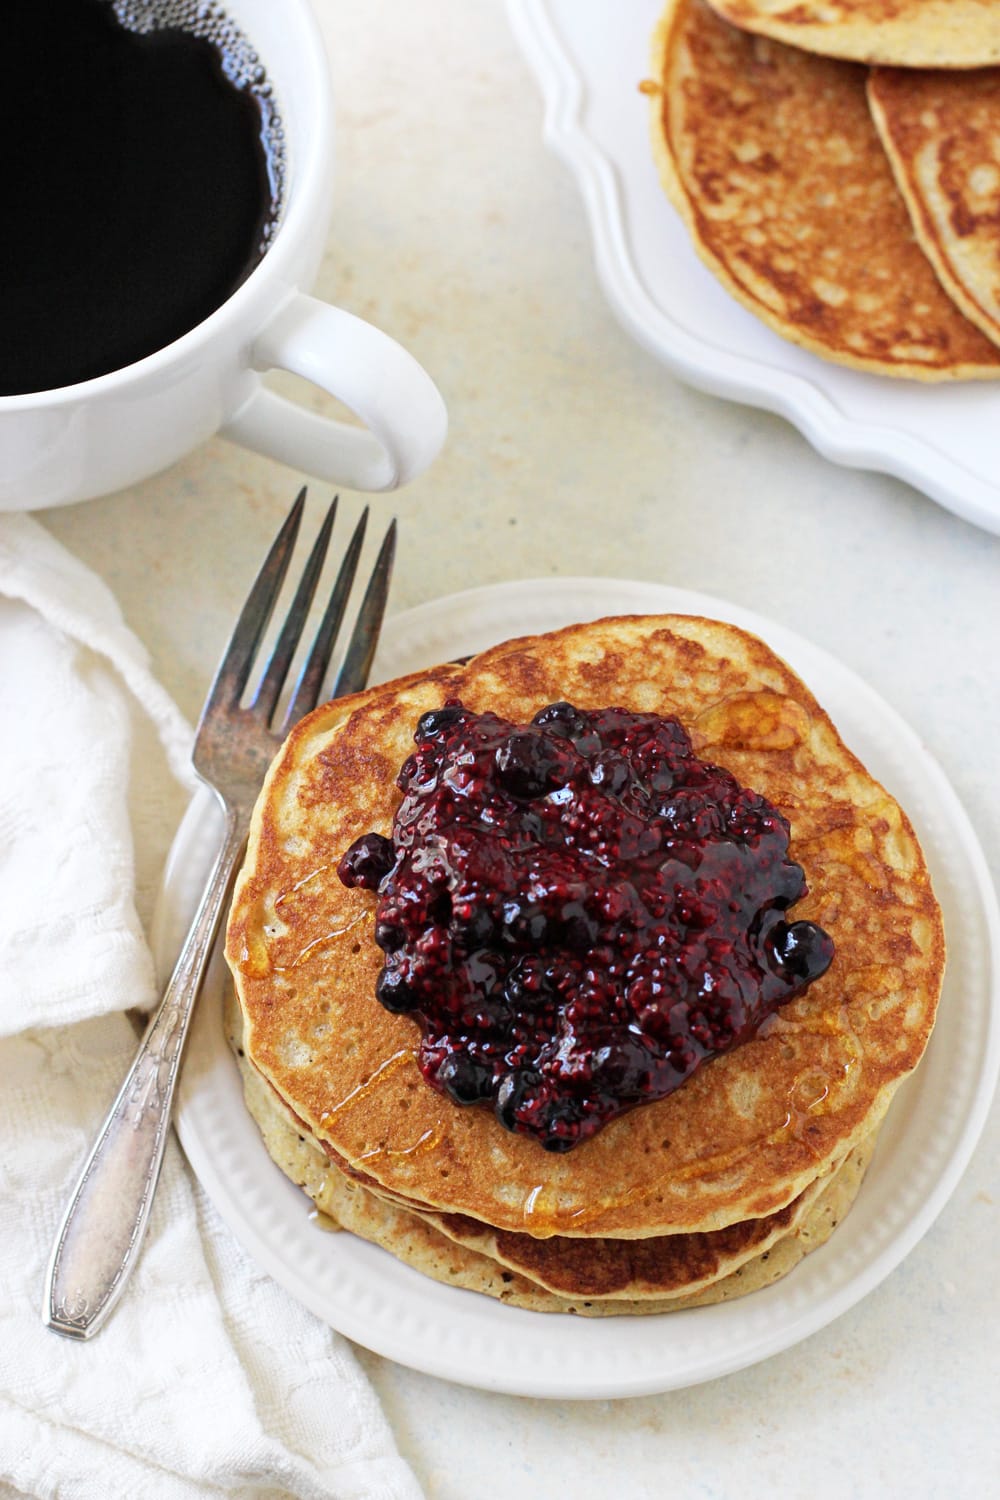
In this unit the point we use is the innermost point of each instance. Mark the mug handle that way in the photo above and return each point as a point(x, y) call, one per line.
point(398, 402)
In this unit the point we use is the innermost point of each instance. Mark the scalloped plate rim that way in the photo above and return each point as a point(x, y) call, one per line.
point(701, 363)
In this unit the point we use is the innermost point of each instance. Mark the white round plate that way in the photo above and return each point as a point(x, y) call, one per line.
point(461, 1336)
point(589, 57)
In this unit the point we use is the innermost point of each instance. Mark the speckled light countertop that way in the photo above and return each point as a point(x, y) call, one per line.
point(573, 452)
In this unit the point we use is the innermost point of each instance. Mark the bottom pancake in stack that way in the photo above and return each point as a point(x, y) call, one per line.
point(482, 1162)
point(590, 1277)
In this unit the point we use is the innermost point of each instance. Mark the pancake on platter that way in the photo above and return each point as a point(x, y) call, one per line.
point(751, 1129)
point(941, 133)
point(904, 33)
point(772, 159)
point(420, 1241)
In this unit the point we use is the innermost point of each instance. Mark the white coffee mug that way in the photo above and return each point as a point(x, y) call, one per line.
point(100, 435)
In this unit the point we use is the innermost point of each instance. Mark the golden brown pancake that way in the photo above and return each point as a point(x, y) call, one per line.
point(660, 1267)
point(904, 33)
point(941, 132)
point(772, 159)
point(410, 1237)
point(556, 1275)
point(751, 1129)
point(417, 1239)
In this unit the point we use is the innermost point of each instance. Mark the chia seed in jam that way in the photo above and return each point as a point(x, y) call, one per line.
point(579, 912)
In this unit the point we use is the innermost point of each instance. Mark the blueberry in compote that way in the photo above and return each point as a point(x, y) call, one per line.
point(610, 772)
point(472, 926)
point(390, 936)
point(465, 1078)
point(525, 923)
point(579, 912)
point(394, 992)
point(526, 986)
point(562, 719)
point(529, 765)
point(516, 1089)
point(437, 720)
point(485, 971)
point(367, 862)
point(802, 948)
point(559, 1125)
point(623, 1066)
point(440, 909)
point(579, 928)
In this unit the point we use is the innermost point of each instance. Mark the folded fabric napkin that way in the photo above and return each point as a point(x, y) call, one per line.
point(208, 1378)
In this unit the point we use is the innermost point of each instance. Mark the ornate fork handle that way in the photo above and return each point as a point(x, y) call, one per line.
point(102, 1231)
point(100, 1237)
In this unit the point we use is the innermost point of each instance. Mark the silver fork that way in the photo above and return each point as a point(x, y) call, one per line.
point(100, 1236)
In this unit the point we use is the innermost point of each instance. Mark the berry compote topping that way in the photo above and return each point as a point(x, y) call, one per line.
point(579, 912)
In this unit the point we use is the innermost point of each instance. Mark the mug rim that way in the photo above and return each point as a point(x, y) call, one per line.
point(313, 169)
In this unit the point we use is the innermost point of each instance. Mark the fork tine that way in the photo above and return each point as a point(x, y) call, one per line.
point(235, 667)
point(357, 660)
point(307, 689)
point(273, 680)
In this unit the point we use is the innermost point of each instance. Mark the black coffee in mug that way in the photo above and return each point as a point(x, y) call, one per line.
point(140, 183)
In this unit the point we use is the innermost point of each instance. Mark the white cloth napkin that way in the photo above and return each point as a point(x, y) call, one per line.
point(208, 1379)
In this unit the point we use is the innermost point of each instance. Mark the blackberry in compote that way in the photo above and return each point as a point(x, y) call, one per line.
point(579, 912)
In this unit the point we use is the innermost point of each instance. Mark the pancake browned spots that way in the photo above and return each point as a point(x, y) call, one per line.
point(591, 1277)
point(461, 1256)
point(748, 1133)
point(771, 157)
point(941, 132)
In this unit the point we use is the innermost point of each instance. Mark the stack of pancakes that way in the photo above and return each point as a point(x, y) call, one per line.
point(709, 1193)
point(838, 167)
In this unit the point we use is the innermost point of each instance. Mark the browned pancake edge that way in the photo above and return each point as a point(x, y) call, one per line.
point(771, 157)
point(748, 1132)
